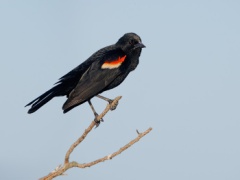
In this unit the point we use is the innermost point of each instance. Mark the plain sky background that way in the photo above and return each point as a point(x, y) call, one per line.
point(186, 88)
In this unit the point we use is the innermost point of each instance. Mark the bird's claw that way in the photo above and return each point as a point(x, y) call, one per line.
point(113, 105)
point(97, 121)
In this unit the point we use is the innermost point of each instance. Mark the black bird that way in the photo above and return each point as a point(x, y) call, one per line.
point(104, 70)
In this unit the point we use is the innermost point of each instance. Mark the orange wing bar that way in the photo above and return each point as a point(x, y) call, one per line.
point(113, 64)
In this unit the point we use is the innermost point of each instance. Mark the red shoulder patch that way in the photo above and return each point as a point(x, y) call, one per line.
point(114, 63)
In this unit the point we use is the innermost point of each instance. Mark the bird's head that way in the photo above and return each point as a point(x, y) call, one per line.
point(130, 42)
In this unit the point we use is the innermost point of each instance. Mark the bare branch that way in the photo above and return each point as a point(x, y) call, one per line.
point(67, 165)
point(115, 101)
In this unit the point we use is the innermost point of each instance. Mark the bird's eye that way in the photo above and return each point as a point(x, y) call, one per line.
point(132, 42)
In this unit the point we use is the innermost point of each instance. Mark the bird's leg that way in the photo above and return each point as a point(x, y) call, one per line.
point(112, 106)
point(95, 114)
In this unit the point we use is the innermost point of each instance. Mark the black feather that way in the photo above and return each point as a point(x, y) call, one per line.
point(95, 75)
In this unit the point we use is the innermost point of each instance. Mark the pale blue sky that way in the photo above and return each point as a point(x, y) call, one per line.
point(186, 88)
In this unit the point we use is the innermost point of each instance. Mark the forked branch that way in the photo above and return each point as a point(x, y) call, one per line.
point(67, 165)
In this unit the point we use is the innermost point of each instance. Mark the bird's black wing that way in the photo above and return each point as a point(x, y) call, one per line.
point(63, 87)
point(98, 76)
point(69, 81)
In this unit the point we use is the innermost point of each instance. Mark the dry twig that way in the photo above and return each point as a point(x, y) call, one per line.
point(67, 165)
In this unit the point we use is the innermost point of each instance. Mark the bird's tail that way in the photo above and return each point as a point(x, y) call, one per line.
point(43, 99)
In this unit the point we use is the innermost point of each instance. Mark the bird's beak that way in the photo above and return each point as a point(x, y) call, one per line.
point(139, 45)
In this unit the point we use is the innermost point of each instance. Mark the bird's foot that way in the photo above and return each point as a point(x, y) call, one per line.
point(113, 105)
point(97, 121)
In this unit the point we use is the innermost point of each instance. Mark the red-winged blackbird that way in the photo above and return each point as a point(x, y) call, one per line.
point(104, 70)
